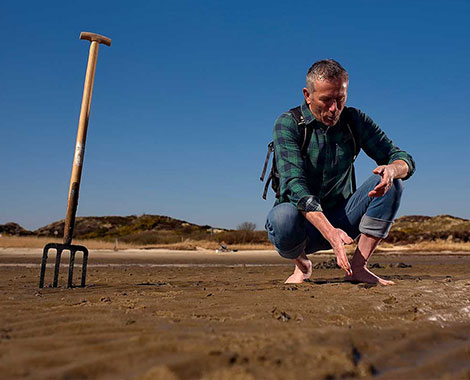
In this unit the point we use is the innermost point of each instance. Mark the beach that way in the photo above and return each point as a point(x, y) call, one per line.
point(159, 314)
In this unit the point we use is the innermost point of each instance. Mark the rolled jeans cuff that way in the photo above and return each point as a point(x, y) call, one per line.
point(294, 252)
point(375, 227)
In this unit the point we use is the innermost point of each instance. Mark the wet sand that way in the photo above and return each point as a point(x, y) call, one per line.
point(202, 315)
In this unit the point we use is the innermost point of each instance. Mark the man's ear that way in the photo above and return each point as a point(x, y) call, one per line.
point(306, 93)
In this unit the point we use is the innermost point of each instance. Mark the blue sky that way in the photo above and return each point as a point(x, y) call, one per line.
point(185, 99)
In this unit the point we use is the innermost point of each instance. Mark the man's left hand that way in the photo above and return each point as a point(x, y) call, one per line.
point(387, 173)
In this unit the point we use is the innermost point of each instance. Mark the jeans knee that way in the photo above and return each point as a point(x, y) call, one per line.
point(283, 219)
point(386, 206)
point(396, 191)
point(398, 186)
point(285, 226)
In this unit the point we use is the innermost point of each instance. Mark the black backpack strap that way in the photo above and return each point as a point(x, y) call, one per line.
point(276, 182)
point(355, 147)
point(297, 115)
point(265, 167)
point(304, 130)
point(356, 150)
point(273, 172)
point(354, 187)
point(265, 191)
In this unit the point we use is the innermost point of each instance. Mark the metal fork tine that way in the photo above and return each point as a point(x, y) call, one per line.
point(57, 267)
point(43, 265)
point(84, 265)
point(72, 262)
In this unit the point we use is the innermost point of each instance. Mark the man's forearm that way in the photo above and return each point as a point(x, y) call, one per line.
point(400, 169)
point(321, 223)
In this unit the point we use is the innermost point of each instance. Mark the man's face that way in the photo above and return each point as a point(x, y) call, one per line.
point(327, 100)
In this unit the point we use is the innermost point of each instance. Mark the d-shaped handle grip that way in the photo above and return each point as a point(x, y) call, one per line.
point(95, 37)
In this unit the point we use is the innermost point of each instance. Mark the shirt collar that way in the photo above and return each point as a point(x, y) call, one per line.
point(306, 113)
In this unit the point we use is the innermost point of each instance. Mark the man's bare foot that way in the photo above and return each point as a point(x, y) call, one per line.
point(302, 272)
point(362, 274)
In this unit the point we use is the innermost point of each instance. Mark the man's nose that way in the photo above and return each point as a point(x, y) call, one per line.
point(333, 106)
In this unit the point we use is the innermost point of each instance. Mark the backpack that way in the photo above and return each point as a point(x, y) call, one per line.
point(274, 177)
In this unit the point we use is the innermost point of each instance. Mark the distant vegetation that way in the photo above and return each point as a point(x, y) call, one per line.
point(246, 226)
point(14, 229)
point(416, 228)
point(158, 231)
point(143, 230)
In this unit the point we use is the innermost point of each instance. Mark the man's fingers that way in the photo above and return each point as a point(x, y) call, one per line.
point(345, 237)
point(346, 266)
point(385, 181)
point(378, 170)
point(381, 188)
point(381, 184)
point(378, 190)
point(343, 262)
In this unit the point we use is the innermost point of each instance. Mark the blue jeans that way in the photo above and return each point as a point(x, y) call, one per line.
point(291, 233)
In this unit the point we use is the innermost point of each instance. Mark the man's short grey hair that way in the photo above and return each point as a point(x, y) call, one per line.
point(326, 69)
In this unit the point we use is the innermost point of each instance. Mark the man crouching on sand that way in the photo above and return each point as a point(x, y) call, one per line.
point(319, 207)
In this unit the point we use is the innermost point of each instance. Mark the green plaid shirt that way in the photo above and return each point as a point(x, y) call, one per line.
point(324, 178)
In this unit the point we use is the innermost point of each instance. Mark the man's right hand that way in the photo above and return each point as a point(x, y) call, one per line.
point(338, 238)
point(335, 236)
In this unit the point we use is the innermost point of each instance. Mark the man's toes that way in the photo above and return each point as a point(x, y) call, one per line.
point(294, 279)
point(386, 282)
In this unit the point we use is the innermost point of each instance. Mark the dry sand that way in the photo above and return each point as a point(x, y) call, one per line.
point(229, 316)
